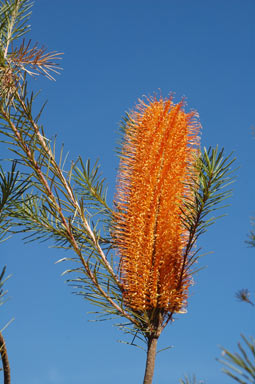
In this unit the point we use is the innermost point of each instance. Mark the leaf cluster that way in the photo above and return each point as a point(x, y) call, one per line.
point(14, 16)
point(12, 187)
point(240, 365)
point(191, 380)
point(2, 282)
point(25, 58)
point(244, 296)
point(209, 190)
point(213, 174)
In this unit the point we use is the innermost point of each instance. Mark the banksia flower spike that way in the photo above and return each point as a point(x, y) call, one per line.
point(156, 175)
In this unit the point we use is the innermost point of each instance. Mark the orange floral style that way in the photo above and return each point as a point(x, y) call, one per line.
point(156, 169)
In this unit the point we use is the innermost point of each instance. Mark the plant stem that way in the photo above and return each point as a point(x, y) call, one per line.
point(150, 362)
point(5, 361)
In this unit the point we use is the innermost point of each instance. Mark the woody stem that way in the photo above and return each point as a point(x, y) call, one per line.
point(5, 361)
point(150, 361)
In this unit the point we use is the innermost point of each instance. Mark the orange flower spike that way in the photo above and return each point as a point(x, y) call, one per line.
point(155, 168)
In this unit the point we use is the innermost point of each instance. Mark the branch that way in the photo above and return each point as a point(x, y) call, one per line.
point(33, 163)
point(5, 361)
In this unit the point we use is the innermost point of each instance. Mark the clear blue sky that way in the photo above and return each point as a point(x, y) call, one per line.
point(115, 52)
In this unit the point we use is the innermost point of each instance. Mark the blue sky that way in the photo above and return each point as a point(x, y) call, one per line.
point(114, 53)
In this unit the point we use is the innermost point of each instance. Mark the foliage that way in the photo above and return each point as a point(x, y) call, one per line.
point(14, 21)
point(191, 380)
point(251, 240)
point(12, 187)
point(68, 205)
point(17, 61)
point(241, 365)
point(11, 191)
point(2, 281)
point(244, 295)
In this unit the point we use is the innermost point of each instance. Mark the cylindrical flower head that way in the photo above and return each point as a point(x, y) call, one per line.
point(156, 168)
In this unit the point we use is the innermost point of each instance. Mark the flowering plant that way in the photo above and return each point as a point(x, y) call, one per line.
point(135, 259)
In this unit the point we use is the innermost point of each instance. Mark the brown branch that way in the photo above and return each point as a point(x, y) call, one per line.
point(152, 341)
point(150, 361)
point(5, 361)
